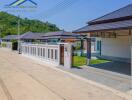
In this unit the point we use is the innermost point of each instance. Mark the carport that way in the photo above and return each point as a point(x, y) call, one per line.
point(113, 33)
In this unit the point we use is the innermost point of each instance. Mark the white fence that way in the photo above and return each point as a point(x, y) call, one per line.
point(7, 45)
point(47, 53)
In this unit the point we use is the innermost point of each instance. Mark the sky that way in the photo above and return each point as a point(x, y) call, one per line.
point(66, 14)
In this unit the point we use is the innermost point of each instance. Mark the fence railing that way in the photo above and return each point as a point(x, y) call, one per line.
point(47, 53)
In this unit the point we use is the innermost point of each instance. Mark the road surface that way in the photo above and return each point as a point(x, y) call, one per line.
point(24, 79)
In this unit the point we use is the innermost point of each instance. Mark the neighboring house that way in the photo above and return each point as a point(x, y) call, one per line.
point(7, 41)
point(50, 37)
point(31, 37)
point(9, 38)
point(114, 34)
point(62, 36)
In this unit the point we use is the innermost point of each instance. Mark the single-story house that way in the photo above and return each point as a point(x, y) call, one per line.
point(59, 36)
point(31, 37)
point(62, 36)
point(26, 37)
point(9, 38)
point(113, 32)
point(50, 37)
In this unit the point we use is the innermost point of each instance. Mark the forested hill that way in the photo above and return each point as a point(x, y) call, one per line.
point(8, 25)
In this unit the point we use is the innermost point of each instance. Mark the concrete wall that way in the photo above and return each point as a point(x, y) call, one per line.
point(117, 47)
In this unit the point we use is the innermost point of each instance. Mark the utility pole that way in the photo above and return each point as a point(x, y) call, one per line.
point(0, 38)
point(18, 35)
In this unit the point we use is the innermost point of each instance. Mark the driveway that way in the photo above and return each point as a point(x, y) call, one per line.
point(102, 75)
point(114, 66)
point(25, 79)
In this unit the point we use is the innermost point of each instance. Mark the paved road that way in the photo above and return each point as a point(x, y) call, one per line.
point(25, 79)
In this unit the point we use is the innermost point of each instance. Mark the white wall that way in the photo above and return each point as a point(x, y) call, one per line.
point(117, 47)
point(49, 54)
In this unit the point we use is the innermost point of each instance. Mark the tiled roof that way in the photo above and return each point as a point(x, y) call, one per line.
point(106, 26)
point(40, 36)
point(120, 13)
point(31, 35)
point(59, 33)
point(10, 37)
point(110, 22)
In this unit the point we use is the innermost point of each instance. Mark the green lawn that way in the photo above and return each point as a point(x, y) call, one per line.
point(80, 61)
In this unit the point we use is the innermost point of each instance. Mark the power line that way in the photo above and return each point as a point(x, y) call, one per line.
point(61, 6)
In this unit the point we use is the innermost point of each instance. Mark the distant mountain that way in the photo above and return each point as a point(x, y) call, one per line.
point(8, 25)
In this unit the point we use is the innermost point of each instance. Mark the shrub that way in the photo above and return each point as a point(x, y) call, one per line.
point(14, 44)
point(3, 44)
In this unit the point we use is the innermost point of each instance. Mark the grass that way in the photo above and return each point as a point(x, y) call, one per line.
point(99, 61)
point(80, 61)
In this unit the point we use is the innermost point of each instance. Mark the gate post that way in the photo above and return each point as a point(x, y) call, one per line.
point(68, 55)
point(88, 51)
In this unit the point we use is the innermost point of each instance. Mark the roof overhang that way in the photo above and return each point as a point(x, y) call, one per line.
point(126, 24)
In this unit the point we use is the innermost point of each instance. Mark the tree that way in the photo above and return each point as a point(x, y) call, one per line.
point(8, 25)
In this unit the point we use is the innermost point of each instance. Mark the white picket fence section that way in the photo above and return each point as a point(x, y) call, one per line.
point(44, 52)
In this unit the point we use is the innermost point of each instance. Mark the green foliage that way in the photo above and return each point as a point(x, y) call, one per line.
point(14, 45)
point(3, 44)
point(78, 47)
point(9, 23)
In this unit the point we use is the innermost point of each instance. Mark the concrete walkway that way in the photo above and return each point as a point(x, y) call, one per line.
point(111, 79)
point(25, 79)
